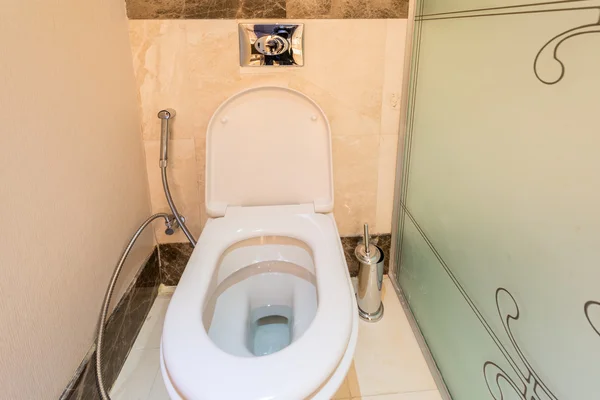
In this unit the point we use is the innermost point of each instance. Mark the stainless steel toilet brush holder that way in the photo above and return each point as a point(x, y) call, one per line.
point(370, 279)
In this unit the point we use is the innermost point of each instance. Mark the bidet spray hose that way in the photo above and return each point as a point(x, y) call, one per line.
point(165, 116)
point(109, 292)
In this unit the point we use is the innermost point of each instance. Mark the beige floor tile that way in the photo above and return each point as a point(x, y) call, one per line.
point(388, 364)
point(388, 358)
point(151, 332)
point(343, 392)
point(137, 375)
point(158, 391)
point(427, 395)
point(352, 379)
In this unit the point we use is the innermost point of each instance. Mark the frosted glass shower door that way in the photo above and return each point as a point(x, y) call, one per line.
point(499, 242)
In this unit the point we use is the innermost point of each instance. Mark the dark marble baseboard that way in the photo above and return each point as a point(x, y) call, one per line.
point(350, 242)
point(174, 256)
point(173, 259)
point(122, 329)
point(276, 9)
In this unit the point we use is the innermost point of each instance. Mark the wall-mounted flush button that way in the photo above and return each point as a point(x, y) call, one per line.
point(271, 44)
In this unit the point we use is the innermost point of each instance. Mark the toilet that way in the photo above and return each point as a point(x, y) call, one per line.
point(265, 308)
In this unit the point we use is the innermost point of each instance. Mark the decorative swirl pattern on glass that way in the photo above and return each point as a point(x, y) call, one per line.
point(547, 67)
point(586, 309)
point(527, 385)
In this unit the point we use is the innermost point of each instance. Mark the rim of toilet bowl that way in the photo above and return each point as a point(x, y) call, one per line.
point(181, 343)
point(333, 380)
point(326, 391)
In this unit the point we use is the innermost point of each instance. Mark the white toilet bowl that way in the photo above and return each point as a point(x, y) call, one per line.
point(265, 308)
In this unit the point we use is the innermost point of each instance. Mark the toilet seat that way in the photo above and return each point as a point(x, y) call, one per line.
point(268, 146)
point(197, 369)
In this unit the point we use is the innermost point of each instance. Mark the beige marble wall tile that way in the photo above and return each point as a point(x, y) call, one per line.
point(388, 147)
point(355, 160)
point(344, 74)
point(200, 147)
point(183, 183)
point(183, 65)
point(395, 40)
point(192, 66)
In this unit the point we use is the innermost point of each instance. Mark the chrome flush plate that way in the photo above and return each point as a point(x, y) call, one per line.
point(271, 44)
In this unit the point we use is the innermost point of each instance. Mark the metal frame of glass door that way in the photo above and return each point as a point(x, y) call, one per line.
point(397, 215)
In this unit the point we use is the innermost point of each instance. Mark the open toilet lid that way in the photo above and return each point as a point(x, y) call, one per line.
point(268, 146)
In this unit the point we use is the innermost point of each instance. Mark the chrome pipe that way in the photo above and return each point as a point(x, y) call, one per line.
point(165, 116)
point(109, 292)
point(178, 217)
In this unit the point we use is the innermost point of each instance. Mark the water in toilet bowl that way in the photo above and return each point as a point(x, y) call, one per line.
point(270, 329)
point(262, 314)
point(263, 297)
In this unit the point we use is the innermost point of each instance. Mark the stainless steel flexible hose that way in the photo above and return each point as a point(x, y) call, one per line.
point(165, 116)
point(109, 292)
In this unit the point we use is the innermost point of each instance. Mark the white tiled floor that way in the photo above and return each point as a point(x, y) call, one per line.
point(388, 364)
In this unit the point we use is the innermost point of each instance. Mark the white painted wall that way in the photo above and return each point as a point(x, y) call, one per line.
point(73, 184)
